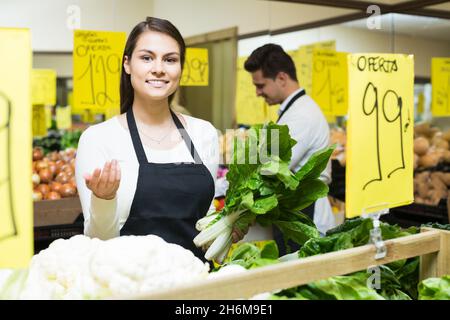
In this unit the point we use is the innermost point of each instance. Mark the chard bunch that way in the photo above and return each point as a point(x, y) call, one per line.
point(262, 188)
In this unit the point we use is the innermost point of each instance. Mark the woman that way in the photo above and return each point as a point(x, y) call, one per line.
point(148, 170)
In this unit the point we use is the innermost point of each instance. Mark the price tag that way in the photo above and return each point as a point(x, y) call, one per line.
point(251, 109)
point(303, 60)
point(440, 82)
point(40, 123)
point(43, 86)
point(330, 82)
point(97, 63)
point(63, 118)
point(16, 206)
point(379, 172)
point(196, 68)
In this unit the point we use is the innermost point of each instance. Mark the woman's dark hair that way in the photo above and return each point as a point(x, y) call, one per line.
point(150, 24)
point(271, 59)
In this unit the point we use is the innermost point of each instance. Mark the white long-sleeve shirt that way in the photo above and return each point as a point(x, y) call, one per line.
point(308, 126)
point(109, 140)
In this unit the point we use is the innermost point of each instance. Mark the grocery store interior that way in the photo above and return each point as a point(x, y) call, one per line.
point(388, 169)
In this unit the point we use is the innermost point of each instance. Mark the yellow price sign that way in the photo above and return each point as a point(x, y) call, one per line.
point(303, 59)
point(250, 109)
point(196, 68)
point(440, 82)
point(48, 116)
point(330, 82)
point(63, 118)
point(16, 206)
point(97, 63)
point(39, 120)
point(43, 86)
point(380, 127)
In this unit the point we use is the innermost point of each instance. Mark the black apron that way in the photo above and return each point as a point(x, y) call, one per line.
point(170, 197)
point(309, 211)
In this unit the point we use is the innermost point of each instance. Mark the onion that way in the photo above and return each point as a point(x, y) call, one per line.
point(38, 153)
point(36, 179)
point(59, 165)
point(45, 175)
point(68, 190)
point(56, 186)
point(62, 177)
point(54, 156)
point(41, 164)
point(44, 189)
point(53, 196)
point(52, 168)
point(37, 196)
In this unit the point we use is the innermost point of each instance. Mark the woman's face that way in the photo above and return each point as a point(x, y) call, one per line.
point(154, 67)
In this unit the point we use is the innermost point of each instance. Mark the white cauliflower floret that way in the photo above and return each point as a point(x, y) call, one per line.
point(63, 270)
point(137, 264)
point(85, 268)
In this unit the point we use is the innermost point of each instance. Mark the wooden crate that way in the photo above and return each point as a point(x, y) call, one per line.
point(56, 212)
point(432, 245)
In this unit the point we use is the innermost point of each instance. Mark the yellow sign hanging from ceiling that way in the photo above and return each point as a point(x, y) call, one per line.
point(440, 84)
point(303, 59)
point(97, 63)
point(196, 67)
point(330, 82)
point(16, 206)
point(379, 172)
point(43, 86)
point(250, 109)
point(40, 120)
point(64, 117)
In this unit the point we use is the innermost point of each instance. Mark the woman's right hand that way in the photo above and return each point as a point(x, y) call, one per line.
point(104, 183)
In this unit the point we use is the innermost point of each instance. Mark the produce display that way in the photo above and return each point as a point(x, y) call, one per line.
point(85, 268)
point(399, 279)
point(266, 192)
point(53, 174)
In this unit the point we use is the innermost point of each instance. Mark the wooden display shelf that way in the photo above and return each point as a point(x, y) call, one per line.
point(56, 212)
point(432, 245)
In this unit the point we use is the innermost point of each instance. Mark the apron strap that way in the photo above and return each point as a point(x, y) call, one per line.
point(186, 138)
point(137, 143)
point(290, 103)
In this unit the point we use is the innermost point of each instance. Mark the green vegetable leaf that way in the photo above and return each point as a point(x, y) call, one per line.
point(297, 231)
point(315, 165)
point(435, 288)
point(306, 193)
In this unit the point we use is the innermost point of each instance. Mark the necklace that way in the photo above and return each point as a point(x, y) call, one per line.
point(158, 141)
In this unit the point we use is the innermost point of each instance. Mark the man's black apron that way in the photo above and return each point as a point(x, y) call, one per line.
point(309, 211)
point(170, 197)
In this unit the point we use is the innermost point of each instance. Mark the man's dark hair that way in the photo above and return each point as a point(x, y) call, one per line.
point(271, 59)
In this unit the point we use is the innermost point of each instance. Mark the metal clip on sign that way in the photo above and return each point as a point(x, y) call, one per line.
point(375, 234)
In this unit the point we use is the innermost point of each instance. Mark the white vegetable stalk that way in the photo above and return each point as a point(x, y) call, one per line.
point(224, 225)
point(205, 221)
point(218, 246)
point(223, 254)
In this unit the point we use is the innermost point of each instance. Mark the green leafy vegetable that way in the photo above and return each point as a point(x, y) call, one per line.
point(262, 189)
point(435, 288)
